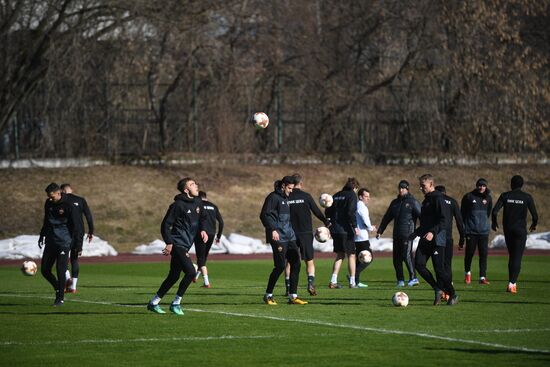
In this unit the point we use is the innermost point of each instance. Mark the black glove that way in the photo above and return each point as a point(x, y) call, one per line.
point(461, 243)
point(40, 242)
point(494, 226)
point(532, 228)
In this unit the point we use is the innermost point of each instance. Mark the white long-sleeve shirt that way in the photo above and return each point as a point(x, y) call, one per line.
point(363, 222)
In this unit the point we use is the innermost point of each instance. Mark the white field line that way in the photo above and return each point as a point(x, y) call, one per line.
point(139, 340)
point(323, 323)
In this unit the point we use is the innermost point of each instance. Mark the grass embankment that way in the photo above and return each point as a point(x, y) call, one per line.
point(129, 202)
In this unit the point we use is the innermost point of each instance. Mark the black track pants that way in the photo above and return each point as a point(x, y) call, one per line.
point(180, 262)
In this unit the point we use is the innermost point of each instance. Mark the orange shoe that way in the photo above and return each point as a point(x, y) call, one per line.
point(484, 281)
point(512, 288)
point(468, 278)
point(71, 290)
point(206, 286)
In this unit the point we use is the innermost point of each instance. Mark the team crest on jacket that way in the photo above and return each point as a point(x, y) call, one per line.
point(484, 202)
point(198, 210)
point(61, 211)
point(407, 205)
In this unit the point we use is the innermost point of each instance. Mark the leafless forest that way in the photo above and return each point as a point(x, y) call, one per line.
point(115, 78)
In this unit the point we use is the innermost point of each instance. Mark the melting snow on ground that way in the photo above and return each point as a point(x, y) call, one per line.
point(26, 247)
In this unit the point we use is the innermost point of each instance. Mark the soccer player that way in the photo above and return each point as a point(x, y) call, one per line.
point(454, 210)
point(404, 210)
point(275, 217)
point(301, 206)
point(183, 220)
point(514, 224)
point(433, 240)
point(476, 209)
point(57, 233)
point(362, 239)
point(343, 230)
point(203, 248)
point(81, 207)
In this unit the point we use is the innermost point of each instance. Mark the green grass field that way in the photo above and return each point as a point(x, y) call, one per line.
point(107, 323)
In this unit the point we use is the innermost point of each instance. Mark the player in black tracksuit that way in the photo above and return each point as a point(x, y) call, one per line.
point(57, 233)
point(203, 248)
point(404, 211)
point(433, 240)
point(514, 223)
point(454, 210)
point(476, 209)
point(81, 207)
point(343, 230)
point(275, 217)
point(301, 207)
point(183, 220)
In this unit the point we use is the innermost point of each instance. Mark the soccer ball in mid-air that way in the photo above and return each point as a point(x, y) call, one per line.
point(400, 299)
point(322, 234)
point(326, 200)
point(29, 268)
point(260, 120)
point(365, 257)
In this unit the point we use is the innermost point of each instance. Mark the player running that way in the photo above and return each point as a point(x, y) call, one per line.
point(433, 240)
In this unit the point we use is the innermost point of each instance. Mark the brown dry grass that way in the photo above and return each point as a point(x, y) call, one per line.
point(129, 202)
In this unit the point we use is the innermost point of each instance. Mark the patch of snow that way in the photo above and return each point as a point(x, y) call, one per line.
point(26, 247)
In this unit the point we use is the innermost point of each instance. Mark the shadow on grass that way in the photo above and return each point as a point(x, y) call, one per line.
point(494, 351)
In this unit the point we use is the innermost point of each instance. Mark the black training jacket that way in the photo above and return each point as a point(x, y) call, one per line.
point(212, 216)
point(59, 221)
point(404, 211)
point(183, 221)
point(515, 203)
point(81, 207)
point(476, 210)
point(433, 217)
point(275, 216)
point(454, 212)
point(301, 207)
point(342, 212)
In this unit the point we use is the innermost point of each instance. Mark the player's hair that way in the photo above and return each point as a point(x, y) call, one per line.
point(351, 184)
point(183, 182)
point(441, 188)
point(362, 191)
point(297, 178)
point(202, 194)
point(53, 187)
point(426, 177)
point(287, 180)
point(64, 186)
point(516, 182)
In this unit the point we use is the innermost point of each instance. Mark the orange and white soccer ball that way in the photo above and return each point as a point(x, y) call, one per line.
point(260, 120)
point(400, 299)
point(326, 200)
point(29, 268)
point(365, 257)
point(322, 234)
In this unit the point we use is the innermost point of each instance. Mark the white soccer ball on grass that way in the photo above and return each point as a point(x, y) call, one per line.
point(400, 299)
